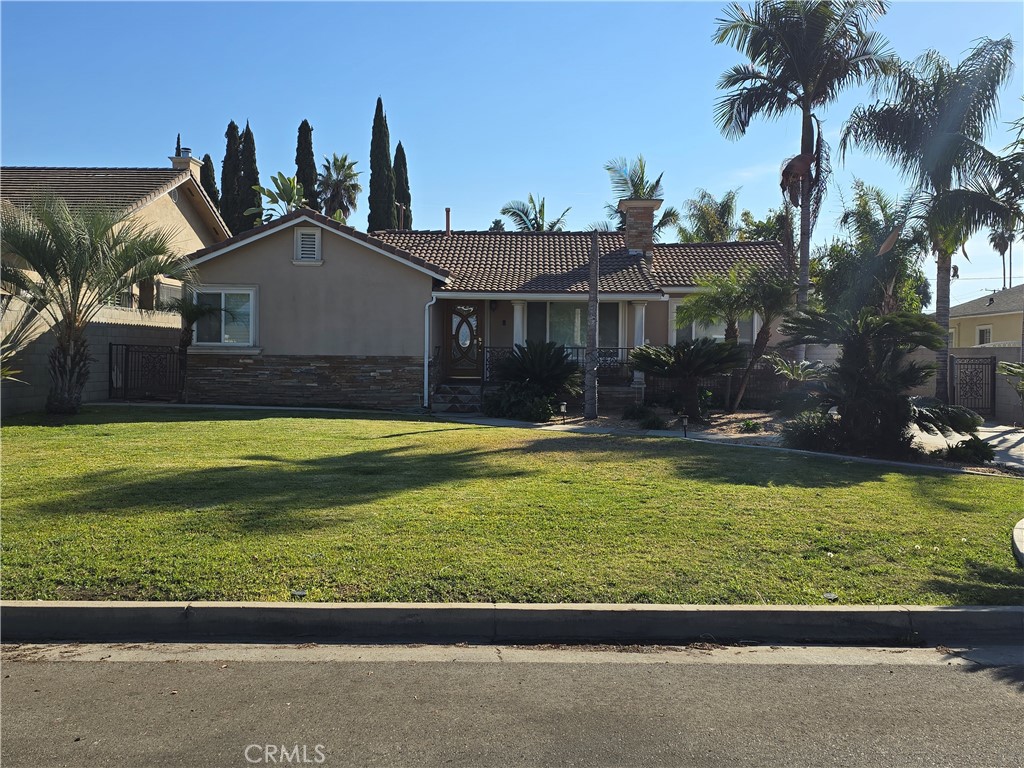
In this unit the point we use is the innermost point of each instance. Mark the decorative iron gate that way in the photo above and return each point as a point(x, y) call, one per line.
point(141, 372)
point(973, 383)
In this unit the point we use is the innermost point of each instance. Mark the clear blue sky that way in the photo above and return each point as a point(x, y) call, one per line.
point(491, 101)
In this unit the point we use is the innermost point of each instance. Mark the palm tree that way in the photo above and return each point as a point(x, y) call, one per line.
point(711, 220)
point(869, 267)
point(802, 54)
point(191, 312)
point(70, 262)
point(1000, 239)
point(932, 126)
point(339, 186)
point(529, 216)
point(629, 181)
point(720, 299)
point(769, 297)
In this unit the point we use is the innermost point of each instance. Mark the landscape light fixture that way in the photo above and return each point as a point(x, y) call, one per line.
point(561, 410)
point(686, 420)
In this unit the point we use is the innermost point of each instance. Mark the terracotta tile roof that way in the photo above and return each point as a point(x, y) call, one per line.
point(558, 262)
point(526, 262)
point(682, 264)
point(319, 218)
point(1008, 300)
point(120, 188)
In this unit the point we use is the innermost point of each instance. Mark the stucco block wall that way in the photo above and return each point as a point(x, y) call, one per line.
point(370, 381)
point(1007, 407)
point(112, 326)
point(357, 302)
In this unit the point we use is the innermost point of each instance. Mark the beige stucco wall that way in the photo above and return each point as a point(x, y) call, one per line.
point(358, 302)
point(1004, 328)
point(190, 231)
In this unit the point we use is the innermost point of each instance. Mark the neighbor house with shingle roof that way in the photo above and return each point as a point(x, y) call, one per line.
point(170, 199)
point(993, 319)
point(318, 312)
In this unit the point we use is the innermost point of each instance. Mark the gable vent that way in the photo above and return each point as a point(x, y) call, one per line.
point(307, 245)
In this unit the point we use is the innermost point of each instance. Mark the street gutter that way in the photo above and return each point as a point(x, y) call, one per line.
point(103, 621)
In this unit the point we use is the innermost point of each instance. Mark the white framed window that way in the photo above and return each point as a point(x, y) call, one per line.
point(565, 323)
point(307, 246)
point(235, 321)
point(984, 334)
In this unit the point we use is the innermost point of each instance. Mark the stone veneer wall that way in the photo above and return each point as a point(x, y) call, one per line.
point(361, 381)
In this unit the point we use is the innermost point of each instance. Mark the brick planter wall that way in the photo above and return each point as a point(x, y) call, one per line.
point(360, 381)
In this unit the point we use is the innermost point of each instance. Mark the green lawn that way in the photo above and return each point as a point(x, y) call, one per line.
point(162, 504)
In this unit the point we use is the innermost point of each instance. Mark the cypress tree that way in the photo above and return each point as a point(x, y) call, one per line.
point(402, 194)
point(248, 177)
point(208, 179)
point(230, 204)
point(177, 147)
point(382, 176)
point(305, 165)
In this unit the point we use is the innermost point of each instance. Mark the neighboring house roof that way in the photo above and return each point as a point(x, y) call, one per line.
point(128, 189)
point(559, 262)
point(999, 303)
point(307, 215)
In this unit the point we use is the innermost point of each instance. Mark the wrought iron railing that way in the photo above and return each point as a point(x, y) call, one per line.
point(613, 362)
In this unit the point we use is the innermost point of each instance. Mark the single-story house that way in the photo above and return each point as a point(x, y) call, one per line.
point(993, 319)
point(318, 312)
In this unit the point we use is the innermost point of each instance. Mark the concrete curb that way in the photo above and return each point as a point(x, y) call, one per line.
point(1018, 542)
point(506, 623)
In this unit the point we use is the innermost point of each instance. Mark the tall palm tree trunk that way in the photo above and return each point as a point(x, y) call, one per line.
point(942, 279)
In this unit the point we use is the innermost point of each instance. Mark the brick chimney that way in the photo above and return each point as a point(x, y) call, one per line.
point(187, 162)
point(639, 215)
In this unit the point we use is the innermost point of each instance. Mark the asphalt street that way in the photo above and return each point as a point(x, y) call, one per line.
point(167, 705)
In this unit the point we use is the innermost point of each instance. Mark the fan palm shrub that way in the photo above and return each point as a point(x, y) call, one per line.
point(687, 362)
point(71, 262)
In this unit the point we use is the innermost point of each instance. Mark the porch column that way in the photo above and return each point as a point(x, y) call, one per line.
point(639, 323)
point(639, 335)
point(519, 322)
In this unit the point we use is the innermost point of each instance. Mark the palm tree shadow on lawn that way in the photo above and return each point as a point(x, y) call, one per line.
point(268, 494)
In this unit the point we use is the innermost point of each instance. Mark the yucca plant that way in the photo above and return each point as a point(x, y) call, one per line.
point(687, 363)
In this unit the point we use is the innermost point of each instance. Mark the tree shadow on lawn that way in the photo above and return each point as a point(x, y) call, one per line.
point(269, 494)
point(155, 414)
point(731, 465)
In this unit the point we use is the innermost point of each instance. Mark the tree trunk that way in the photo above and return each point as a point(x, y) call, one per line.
point(590, 374)
point(760, 345)
point(944, 261)
point(69, 371)
point(804, 279)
